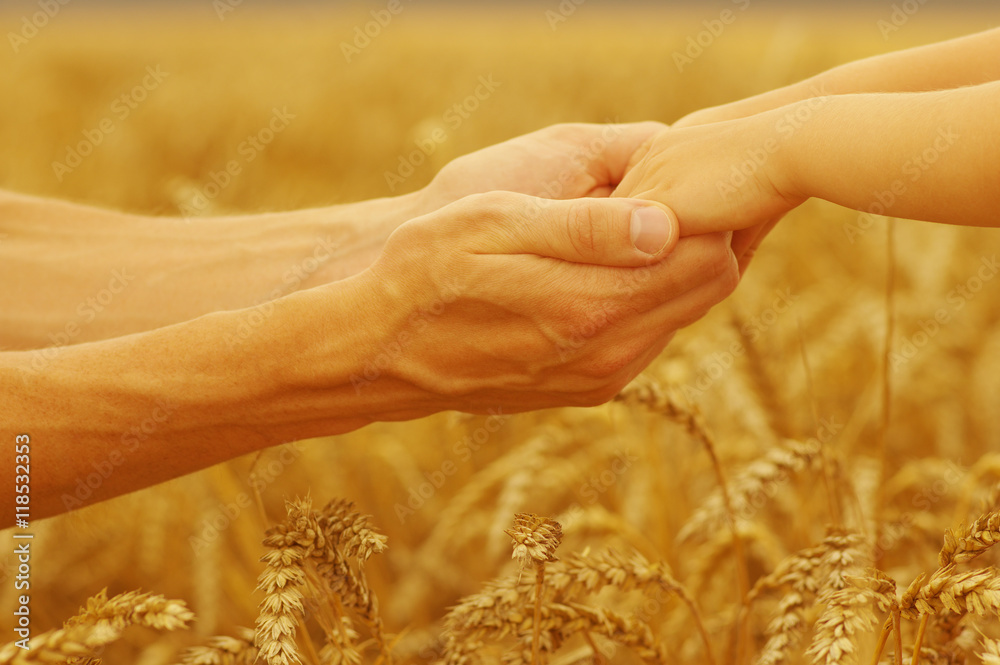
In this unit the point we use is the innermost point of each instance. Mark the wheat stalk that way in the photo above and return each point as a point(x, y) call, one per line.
point(970, 541)
point(973, 592)
point(99, 623)
point(654, 398)
point(498, 610)
point(847, 610)
point(224, 650)
point(847, 614)
point(990, 654)
point(350, 534)
point(775, 468)
point(133, 608)
point(315, 546)
point(962, 547)
point(535, 542)
point(353, 531)
point(61, 645)
point(281, 581)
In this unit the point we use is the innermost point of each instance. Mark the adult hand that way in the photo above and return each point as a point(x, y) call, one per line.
point(559, 162)
point(507, 300)
point(719, 176)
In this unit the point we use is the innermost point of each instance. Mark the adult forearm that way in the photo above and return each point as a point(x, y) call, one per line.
point(933, 156)
point(113, 416)
point(74, 274)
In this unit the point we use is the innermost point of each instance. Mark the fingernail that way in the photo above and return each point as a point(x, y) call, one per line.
point(650, 229)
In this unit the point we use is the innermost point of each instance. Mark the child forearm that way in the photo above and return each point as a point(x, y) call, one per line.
point(968, 60)
point(933, 156)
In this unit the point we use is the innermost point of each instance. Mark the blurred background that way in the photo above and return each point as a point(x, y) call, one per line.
point(184, 85)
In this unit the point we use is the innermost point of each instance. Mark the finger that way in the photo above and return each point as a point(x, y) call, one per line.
point(744, 239)
point(609, 232)
point(620, 153)
point(622, 294)
point(635, 342)
point(699, 277)
point(694, 304)
point(606, 152)
point(695, 261)
point(746, 242)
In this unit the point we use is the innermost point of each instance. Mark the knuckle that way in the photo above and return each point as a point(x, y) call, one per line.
point(602, 394)
point(413, 231)
point(729, 276)
point(586, 230)
point(408, 241)
point(567, 130)
point(495, 212)
point(491, 205)
point(720, 262)
point(612, 362)
point(448, 385)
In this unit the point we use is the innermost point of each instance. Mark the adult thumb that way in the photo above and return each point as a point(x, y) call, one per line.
point(600, 231)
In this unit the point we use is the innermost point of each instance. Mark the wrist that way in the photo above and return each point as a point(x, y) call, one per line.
point(338, 242)
point(788, 126)
point(330, 357)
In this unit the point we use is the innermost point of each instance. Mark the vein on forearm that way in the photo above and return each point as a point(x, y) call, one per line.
point(73, 274)
point(160, 404)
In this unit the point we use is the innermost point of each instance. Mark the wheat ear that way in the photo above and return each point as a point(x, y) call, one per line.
point(283, 576)
point(847, 610)
point(654, 398)
point(99, 623)
point(60, 645)
point(535, 542)
point(224, 650)
point(990, 654)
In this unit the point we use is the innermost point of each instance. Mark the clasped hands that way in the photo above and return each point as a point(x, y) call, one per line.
point(555, 266)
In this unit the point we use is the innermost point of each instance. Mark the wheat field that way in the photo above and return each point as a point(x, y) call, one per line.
point(778, 487)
